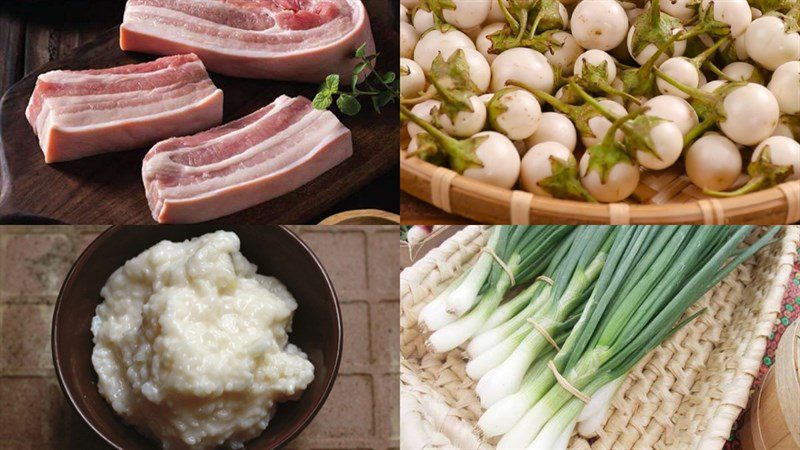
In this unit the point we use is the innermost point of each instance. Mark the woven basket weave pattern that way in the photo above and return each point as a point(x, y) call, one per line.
point(685, 394)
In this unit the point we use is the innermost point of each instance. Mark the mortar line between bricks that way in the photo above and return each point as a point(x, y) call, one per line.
point(366, 260)
point(368, 442)
point(371, 346)
point(363, 368)
point(352, 294)
point(375, 426)
point(349, 443)
point(367, 373)
point(375, 300)
point(2, 261)
point(43, 300)
point(2, 315)
point(44, 373)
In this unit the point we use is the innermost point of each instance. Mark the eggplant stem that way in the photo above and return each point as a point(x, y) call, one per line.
point(755, 184)
point(535, 25)
point(613, 91)
point(512, 22)
point(554, 102)
point(406, 114)
point(660, 50)
point(700, 59)
point(591, 101)
point(655, 13)
point(716, 71)
point(704, 97)
point(523, 23)
point(426, 95)
point(618, 123)
point(697, 131)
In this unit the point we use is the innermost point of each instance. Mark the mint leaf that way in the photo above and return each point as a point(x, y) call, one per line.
point(324, 96)
point(331, 84)
point(381, 88)
point(322, 100)
point(359, 67)
point(348, 104)
point(361, 51)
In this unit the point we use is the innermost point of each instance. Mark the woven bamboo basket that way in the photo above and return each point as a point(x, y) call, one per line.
point(662, 197)
point(685, 394)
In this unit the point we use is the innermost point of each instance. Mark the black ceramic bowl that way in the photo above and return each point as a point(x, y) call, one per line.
point(317, 325)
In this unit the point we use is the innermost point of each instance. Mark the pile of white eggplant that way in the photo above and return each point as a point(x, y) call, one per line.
point(552, 318)
point(573, 99)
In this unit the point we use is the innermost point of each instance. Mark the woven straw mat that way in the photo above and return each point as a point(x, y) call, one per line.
point(685, 394)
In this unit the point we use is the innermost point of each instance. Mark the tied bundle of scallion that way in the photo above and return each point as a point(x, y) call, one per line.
point(600, 298)
point(513, 256)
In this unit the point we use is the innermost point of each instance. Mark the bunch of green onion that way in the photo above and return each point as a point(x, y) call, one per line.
point(513, 256)
point(600, 298)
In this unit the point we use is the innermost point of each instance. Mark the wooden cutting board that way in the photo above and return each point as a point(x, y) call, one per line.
point(107, 189)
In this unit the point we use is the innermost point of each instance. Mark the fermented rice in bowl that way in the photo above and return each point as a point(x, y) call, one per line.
point(191, 344)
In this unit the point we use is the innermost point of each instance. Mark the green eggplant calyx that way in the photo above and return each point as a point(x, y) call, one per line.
point(496, 107)
point(564, 182)
point(593, 75)
point(647, 32)
point(462, 154)
point(548, 16)
point(453, 83)
point(428, 150)
point(604, 156)
point(638, 83)
point(708, 24)
point(638, 135)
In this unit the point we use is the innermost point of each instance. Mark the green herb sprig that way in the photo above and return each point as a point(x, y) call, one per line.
point(381, 88)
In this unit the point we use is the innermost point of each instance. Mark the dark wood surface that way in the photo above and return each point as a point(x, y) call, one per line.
point(41, 36)
point(414, 211)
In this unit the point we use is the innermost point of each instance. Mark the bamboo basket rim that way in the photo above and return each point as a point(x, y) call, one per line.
point(787, 377)
point(776, 402)
point(486, 203)
point(703, 418)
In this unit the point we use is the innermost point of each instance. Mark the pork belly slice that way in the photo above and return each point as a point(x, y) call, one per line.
point(82, 113)
point(293, 40)
point(226, 169)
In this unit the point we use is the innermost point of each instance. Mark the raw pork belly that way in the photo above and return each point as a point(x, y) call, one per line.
point(274, 150)
point(82, 113)
point(293, 40)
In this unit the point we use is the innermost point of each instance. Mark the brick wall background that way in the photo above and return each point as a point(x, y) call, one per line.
point(361, 412)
